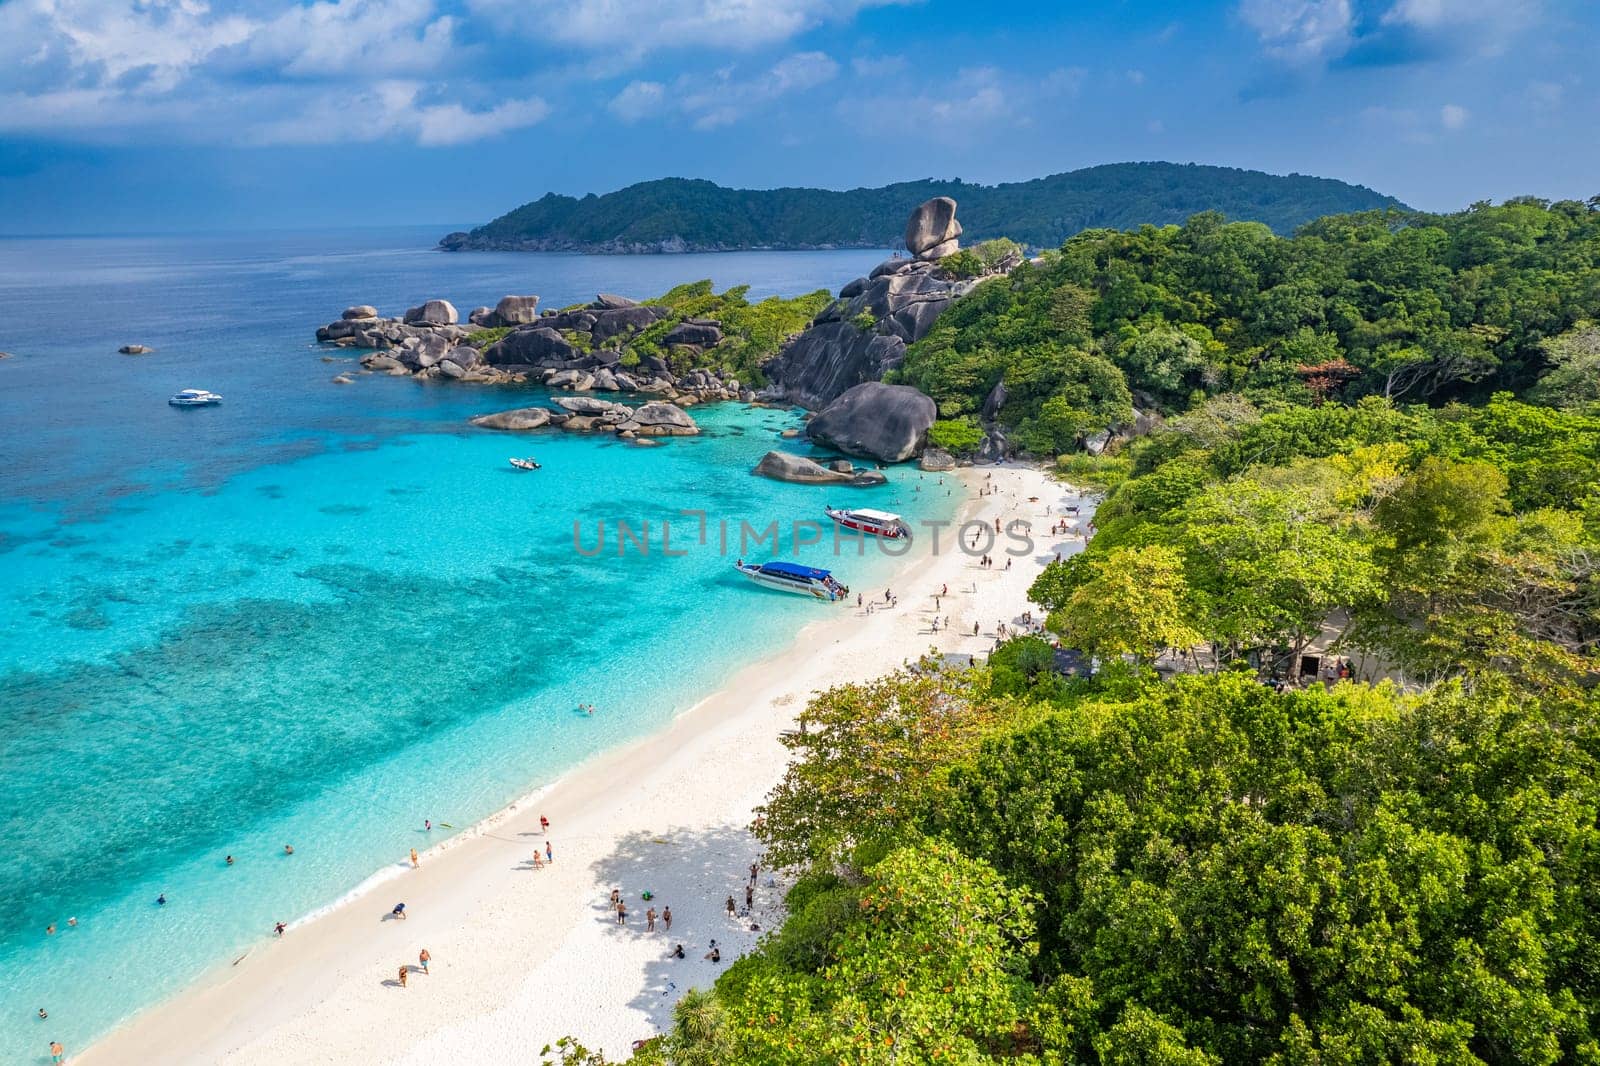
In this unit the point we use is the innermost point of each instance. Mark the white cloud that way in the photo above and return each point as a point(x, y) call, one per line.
point(1486, 27)
point(723, 97)
point(1300, 31)
point(398, 108)
point(977, 100)
point(637, 27)
point(1135, 77)
point(639, 100)
point(801, 71)
point(1442, 14)
point(1063, 81)
point(278, 72)
point(1453, 116)
point(879, 66)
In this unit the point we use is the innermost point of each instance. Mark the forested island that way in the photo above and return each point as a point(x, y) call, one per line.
point(1383, 432)
point(682, 215)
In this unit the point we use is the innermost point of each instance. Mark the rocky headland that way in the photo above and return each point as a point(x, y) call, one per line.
point(834, 366)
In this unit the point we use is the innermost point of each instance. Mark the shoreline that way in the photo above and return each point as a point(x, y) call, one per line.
point(523, 956)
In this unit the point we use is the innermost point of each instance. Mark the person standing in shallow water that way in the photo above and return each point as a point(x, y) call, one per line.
point(414, 863)
point(666, 918)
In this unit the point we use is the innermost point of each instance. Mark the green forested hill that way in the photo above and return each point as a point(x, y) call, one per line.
point(1397, 304)
point(675, 213)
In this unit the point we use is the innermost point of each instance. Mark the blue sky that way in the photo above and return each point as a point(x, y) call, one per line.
point(155, 115)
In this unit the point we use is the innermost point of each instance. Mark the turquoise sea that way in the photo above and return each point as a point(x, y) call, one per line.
point(318, 614)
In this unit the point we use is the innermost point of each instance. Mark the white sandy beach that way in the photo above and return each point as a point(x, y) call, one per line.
point(523, 956)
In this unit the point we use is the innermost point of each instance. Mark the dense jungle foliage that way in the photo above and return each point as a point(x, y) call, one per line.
point(1003, 864)
point(1410, 307)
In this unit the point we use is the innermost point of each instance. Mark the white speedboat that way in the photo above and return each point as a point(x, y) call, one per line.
point(525, 464)
point(792, 577)
point(195, 398)
point(866, 520)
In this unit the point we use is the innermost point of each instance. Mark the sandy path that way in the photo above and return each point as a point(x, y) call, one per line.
point(523, 956)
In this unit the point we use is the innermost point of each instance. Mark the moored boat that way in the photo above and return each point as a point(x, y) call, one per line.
point(525, 464)
point(195, 398)
point(866, 520)
point(792, 577)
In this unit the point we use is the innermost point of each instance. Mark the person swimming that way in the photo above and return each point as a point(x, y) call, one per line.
point(161, 900)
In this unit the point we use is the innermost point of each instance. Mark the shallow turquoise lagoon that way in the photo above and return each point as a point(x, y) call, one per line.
point(318, 616)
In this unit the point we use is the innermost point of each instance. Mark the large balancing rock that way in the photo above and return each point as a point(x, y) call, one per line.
point(932, 224)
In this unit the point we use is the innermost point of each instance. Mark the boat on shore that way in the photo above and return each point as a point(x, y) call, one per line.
point(792, 577)
point(195, 398)
point(525, 464)
point(884, 524)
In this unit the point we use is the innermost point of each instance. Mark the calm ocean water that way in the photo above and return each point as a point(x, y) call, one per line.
point(316, 614)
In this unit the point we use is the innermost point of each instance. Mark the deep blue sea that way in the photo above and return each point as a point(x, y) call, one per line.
point(317, 614)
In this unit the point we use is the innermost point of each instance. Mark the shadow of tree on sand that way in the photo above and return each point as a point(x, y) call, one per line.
point(694, 873)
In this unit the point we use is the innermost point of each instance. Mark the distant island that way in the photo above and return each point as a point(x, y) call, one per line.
point(686, 215)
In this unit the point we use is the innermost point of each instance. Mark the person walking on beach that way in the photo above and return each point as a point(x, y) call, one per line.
point(616, 895)
point(538, 860)
point(666, 918)
point(414, 862)
point(423, 958)
point(622, 913)
point(403, 971)
point(544, 824)
point(549, 855)
point(650, 920)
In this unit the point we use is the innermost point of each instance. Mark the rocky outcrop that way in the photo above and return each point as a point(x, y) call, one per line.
point(932, 227)
point(432, 313)
point(936, 459)
point(884, 422)
point(579, 348)
point(359, 312)
point(591, 415)
point(539, 346)
point(783, 466)
point(515, 311)
point(863, 334)
point(516, 420)
point(658, 419)
point(699, 332)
